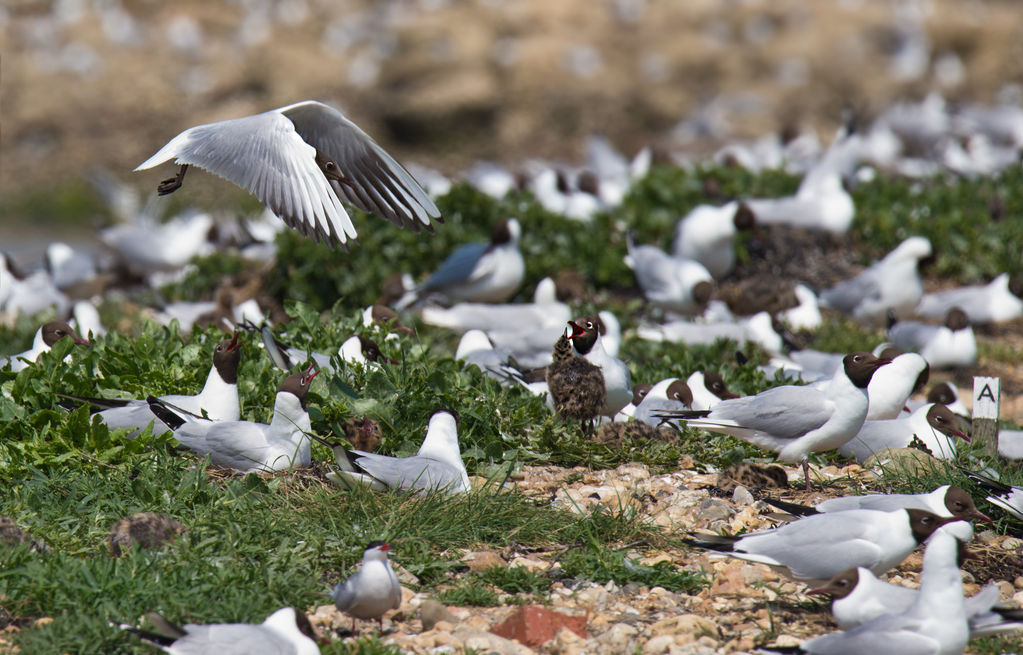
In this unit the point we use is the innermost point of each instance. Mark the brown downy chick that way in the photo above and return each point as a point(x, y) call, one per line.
point(146, 529)
point(363, 433)
point(576, 386)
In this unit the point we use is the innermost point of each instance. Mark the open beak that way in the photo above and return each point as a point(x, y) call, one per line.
point(310, 373)
point(234, 342)
point(577, 331)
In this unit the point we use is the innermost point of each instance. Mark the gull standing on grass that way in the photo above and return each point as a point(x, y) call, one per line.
point(303, 160)
point(372, 590)
point(795, 421)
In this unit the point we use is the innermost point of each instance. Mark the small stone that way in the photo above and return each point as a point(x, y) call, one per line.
point(531, 565)
point(1012, 543)
point(906, 460)
point(1018, 582)
point(483, 559)
point(713, 509)
point(659, 644)
point(619, 637)
point(742, 496)
point(787, 640)
point(566, 642)
point(1005, 589)
point(405, 576)
point(432, 611)
point(146, 529)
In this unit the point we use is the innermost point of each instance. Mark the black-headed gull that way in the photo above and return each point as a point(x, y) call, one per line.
point(586, 341)
point(672, 283)
point(246, 446)
point(1008, 497)
point(373, 590)
point(437, 466)
point(477, 272)
point(302, 160)
point(707, 235)
point(943, 346)
point(148, 247)
point(891, 284)
point(816, 548)
point(931, 427)
point(999, 300)
point(531, 345)
point(935, 623)
point(218, 399)
point(576, 386)
point(946, 500)
point(46, 336)
point(942, 393)
point(356, 349)
point(671, 394)
point(708, 389)
point(545, 310)
point(859, 596)
point(796, 420)
point(285, 632)
point(892, 385)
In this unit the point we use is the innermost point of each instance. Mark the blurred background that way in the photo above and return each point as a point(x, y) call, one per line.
point(105, 83)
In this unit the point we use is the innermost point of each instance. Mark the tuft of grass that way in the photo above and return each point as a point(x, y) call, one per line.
point(471, 594)
point(515, 579)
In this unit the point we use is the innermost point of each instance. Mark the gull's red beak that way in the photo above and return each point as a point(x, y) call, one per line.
point(577, 330)
point(310, 373)
point(234, 342)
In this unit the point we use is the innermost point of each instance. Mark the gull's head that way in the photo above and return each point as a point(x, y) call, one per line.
point(960, 504)
point(944, 421)
point(226, 357)
point(298, 383)
point(54, 331)
point(506, 231)
point(839, 586)
point(376, 550)
point(860, 366)
point(584, 335)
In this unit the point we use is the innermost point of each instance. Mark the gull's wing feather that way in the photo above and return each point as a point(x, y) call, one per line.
point(785, 412)
point(895, 635)
point(459, 267)
point(266, 155)
point(416, 472)
point(381, 185)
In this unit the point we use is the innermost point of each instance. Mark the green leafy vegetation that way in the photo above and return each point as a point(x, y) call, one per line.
point(256, 543)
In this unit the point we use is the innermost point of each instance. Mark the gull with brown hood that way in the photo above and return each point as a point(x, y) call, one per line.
point(46, 336)
point(950, 345)
point(477, 272)
point(218, 399)
point(946, 500)
point(586, 341)
point(796, 420)
point(247, 446)
point(932, 428)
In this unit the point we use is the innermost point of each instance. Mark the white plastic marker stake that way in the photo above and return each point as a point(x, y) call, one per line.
point(986, 398)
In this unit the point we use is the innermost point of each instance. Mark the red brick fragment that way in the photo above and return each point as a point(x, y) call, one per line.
point(532, 626)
